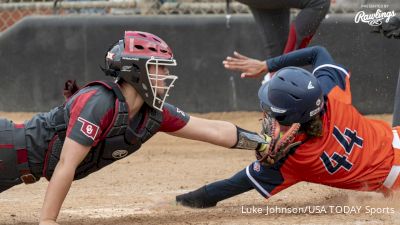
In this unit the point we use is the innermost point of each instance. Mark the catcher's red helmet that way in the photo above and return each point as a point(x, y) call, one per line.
point(129, 59)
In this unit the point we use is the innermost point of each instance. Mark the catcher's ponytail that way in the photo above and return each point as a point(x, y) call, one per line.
point(70, 88)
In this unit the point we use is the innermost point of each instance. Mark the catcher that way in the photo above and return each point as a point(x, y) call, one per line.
point(104, 122)
point(318, 135)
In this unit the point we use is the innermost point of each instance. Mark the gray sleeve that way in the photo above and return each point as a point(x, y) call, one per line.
point(90, 112)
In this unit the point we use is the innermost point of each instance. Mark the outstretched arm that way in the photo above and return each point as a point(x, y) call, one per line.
point(220, 133)
point(328, 73)
point(216, 132)
point(71, 155)
point(250, 67)
point(314, 56)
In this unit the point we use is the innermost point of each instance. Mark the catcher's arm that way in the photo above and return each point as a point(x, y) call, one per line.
point(71, 155)
point(220, 133)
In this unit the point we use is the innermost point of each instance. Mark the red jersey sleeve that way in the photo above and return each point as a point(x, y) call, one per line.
point(90, 112)
point(174, 119)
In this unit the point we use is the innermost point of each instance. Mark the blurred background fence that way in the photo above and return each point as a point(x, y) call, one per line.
point(12, 11)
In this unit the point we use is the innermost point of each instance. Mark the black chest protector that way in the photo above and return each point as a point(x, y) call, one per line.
point(121, 139)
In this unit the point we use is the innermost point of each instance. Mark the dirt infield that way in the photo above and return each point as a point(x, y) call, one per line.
point(141, 189)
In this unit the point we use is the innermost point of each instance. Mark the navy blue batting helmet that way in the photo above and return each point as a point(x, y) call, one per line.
point(293, 95)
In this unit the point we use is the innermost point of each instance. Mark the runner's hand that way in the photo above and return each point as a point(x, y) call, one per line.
point(248, 66)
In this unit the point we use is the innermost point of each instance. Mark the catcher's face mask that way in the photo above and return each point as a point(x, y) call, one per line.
point(160, 80)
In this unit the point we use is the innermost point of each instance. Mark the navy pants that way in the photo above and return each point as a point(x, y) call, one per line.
point(254, 176)
point(224, 189)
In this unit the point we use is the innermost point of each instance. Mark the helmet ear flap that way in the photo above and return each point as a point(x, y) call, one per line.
point(130, 71)
point(136, 71)
point(116, 65)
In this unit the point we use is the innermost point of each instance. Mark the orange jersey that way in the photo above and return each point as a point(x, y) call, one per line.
point(354, 152)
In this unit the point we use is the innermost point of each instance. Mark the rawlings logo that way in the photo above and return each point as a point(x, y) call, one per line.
point(374, 19)
point(89, 129)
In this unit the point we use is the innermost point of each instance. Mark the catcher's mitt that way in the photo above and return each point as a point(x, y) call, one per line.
point(279, 143)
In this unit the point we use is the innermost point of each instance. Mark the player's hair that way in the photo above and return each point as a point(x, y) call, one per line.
point(313, 128)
